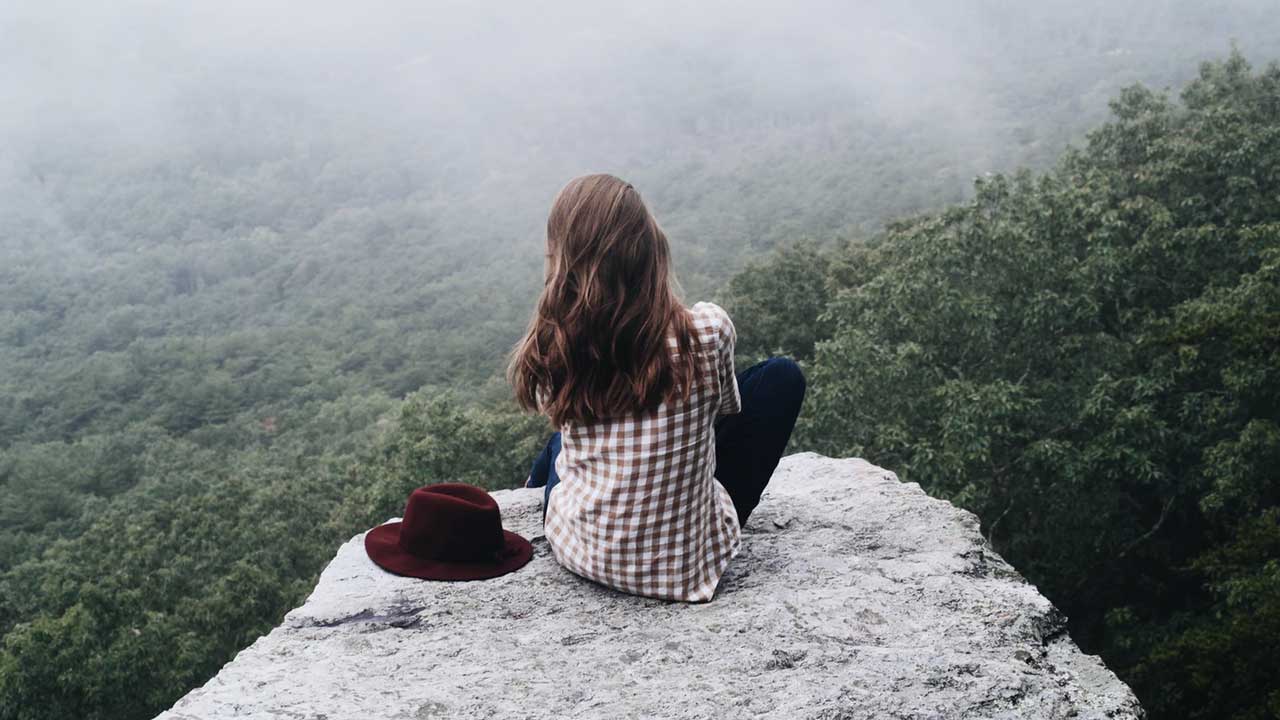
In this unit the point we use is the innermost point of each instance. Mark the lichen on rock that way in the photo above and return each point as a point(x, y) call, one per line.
point(854, 596)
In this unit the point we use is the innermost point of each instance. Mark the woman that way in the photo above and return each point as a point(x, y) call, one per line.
point(663, 451)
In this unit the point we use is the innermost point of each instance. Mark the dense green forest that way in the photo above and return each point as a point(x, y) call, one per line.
point(1089, 359)
point(236, 329)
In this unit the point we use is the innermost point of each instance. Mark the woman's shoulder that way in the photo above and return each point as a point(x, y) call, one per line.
point(711, 319)
point(710, 313)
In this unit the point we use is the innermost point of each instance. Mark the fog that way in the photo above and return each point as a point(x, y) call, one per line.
point(446, 128)
point(686, 99)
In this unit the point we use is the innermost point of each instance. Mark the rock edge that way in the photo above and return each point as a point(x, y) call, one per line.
point(855, 596)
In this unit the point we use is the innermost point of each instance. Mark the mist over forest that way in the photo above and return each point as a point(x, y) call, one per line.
point(261, 264)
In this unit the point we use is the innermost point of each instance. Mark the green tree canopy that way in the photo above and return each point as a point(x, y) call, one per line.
point(1090, 360)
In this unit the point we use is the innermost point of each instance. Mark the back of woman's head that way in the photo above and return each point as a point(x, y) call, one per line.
point(597, 345)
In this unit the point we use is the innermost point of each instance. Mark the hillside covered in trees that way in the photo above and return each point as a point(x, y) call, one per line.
point(1089, 359)
point(239, 327)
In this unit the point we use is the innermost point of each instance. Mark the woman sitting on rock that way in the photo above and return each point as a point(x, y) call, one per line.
point(662, 451)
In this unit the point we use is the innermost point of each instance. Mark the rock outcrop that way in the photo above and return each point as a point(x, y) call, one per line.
point(854, 596)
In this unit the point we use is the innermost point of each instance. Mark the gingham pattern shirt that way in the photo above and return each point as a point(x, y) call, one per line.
point(637, 508)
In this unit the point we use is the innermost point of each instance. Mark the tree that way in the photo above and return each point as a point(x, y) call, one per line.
point(1090, 360)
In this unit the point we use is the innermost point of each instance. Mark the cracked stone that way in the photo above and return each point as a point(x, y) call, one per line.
point(877, 601)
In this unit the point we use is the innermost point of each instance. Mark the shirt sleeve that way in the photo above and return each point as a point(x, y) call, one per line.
point(730, 400)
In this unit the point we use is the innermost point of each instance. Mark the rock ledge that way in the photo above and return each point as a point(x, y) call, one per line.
point(855, 596)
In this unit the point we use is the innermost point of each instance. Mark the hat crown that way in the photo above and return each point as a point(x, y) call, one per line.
point(451, 522)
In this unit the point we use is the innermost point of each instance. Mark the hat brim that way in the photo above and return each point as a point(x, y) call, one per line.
point(383, 546)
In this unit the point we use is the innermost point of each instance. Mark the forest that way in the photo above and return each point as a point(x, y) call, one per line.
point(1089, 359)
point(257, 297)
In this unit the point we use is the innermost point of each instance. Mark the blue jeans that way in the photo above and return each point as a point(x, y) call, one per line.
point(748, 444)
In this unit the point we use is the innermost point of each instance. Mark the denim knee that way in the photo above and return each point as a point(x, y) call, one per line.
point(786, 372)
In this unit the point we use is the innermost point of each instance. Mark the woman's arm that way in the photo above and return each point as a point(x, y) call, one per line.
point(730, 400)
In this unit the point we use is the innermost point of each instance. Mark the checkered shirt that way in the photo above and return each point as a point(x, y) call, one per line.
point(637, 508)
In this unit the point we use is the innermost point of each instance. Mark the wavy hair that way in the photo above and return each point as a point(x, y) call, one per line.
point(597, 343)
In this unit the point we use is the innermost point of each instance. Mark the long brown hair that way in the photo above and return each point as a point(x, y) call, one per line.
point(597, 344)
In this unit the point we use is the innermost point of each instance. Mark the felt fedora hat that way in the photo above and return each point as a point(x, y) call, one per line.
point(450, 531)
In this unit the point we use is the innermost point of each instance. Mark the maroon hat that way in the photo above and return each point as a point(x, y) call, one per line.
point(450, 531)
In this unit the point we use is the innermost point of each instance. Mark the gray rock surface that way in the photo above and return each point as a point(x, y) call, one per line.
point(854, 596)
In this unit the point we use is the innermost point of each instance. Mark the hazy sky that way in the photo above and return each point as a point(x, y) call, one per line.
point(513, 95)
point(134, 65)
